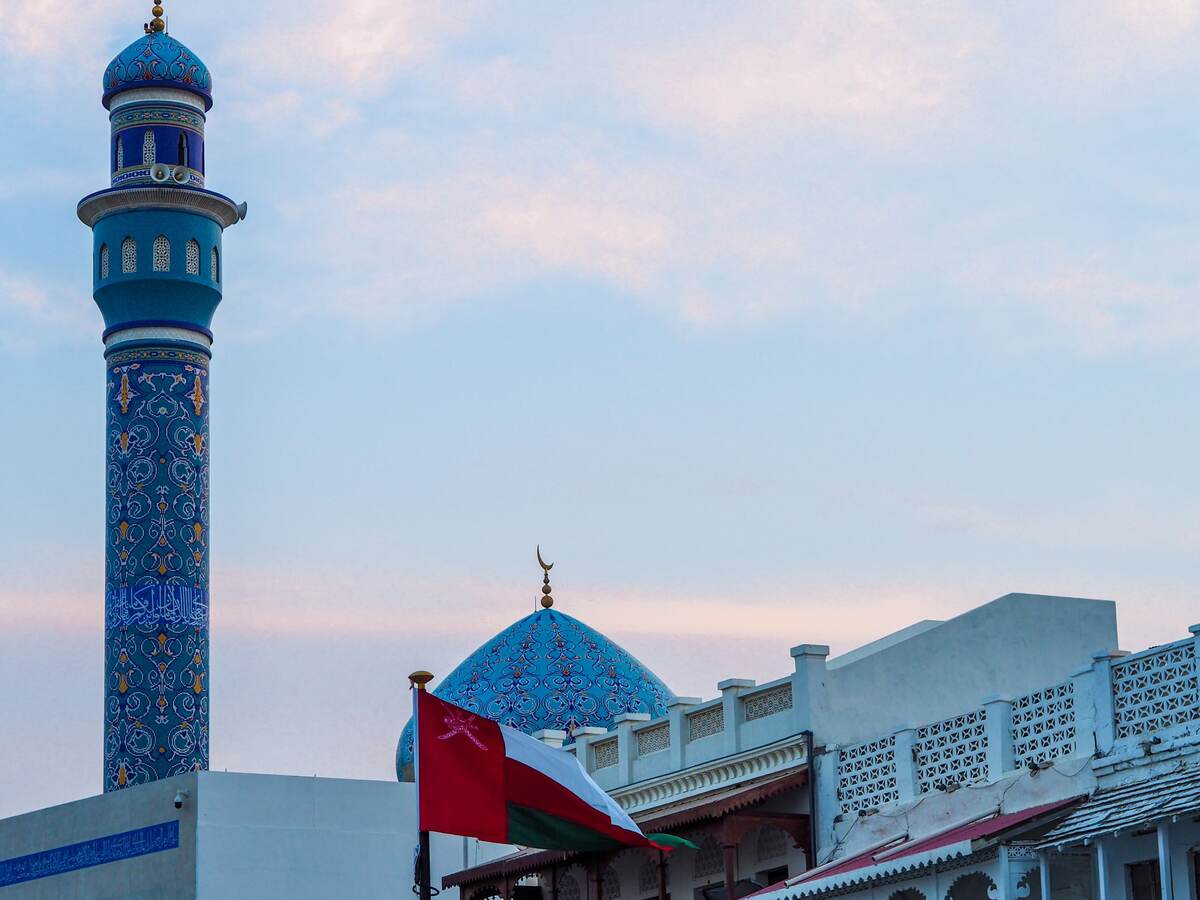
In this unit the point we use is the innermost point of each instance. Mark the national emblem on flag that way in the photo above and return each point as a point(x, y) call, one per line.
point(481, 779)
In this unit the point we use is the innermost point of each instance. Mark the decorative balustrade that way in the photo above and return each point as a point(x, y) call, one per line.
point(767, 702)
point(706, 722)
point(951, 751)
point(604, 754)
point(1107, 708)
point(867, 775)
point(1043, 725)
point(654, 739)
point(1156, 689)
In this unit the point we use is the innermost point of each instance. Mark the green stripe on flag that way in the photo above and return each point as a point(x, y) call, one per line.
point(530, 827)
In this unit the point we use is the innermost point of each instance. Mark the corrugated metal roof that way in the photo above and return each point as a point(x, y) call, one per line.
point(889, 860)
point(1130, 806)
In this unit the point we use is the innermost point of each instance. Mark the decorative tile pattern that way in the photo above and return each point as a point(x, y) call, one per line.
point(604, 754)
point(156, 567)
point(767, 703)
point(954, 750)
point(1156, 690)
point(653, 740)
point(148, 151)
point(1043, 725)
point(193, 257)
point(867, 775)
point(157, 60)
point(706, 722)
point(84, 855)
point(548, 670)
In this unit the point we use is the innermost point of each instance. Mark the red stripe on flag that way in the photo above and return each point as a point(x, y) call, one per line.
point(460, 766)
point(529, 787)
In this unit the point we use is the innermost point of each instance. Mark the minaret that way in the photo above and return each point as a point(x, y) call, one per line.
point(157, 270)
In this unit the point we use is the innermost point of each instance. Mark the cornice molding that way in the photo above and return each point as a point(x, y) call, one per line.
point(217, 207)
point(727, 771)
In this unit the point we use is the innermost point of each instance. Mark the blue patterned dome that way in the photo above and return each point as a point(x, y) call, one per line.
point(548, 670)
point(157, 60)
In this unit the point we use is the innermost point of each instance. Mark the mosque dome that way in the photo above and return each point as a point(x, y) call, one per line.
point(548, 670)
point(157, 60)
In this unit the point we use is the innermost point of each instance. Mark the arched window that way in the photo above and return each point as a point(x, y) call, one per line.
point(709, 859)
point(104, 260)
point(193, 257)
point(215, 265)
point(183, 148)
point(610, 884)
point(128, 255)
point(772, 843)
point(148, 148)
point(973, 886)
point(120, 153)
point(648, 878)
point(162, 254)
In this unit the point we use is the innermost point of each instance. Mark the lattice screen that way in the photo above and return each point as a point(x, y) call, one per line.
point(768, 702)
point(1156, 690)
point(1043, 725)
point(604, 754)
point(953, 750)
point(867, 775)
point(706, 722)
point(653, 740)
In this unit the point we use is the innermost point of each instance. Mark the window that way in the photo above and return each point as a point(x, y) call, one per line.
point(104, 260)
point(215, 265)
point(610, 884)
point(772, 843)
point(193, 257)
point(778, 874)
point(709, 859)
point(128, 255)
point(148, 148)
point(1143, 880)
point(162, 254)
point(120, 153)
point(183, 148)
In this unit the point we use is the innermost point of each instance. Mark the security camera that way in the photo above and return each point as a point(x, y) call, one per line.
point(180, 796)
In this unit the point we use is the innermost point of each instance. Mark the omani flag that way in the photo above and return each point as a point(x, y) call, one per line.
point(485, 780)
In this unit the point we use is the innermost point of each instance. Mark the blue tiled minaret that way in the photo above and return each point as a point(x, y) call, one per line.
point(158, 274)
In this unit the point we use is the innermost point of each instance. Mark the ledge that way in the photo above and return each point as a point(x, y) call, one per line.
point(216, 206)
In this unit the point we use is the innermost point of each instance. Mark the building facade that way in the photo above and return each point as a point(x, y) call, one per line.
point(1010, 753)
point(158, 277)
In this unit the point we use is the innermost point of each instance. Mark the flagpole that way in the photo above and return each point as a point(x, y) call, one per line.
point(416, 683)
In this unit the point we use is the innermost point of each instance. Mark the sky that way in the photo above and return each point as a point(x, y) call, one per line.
point(774, 323)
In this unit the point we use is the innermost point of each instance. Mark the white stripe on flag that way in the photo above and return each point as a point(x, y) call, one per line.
point(566, 770)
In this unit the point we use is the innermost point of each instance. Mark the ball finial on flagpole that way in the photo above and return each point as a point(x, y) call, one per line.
point(419, 679)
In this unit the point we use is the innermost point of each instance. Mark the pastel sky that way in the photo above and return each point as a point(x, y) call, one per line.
point(773, 323)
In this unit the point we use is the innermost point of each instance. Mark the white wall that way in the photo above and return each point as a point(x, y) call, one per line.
point(1013, 645)
point(314, 839)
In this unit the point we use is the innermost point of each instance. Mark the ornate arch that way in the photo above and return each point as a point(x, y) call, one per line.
point(972, 886)
point(772, 843)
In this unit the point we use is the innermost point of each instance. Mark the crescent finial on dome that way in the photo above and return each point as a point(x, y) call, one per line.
point(547, 598)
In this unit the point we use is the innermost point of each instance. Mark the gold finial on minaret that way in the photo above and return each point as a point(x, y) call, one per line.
point(156, 24)
point(547, 600)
